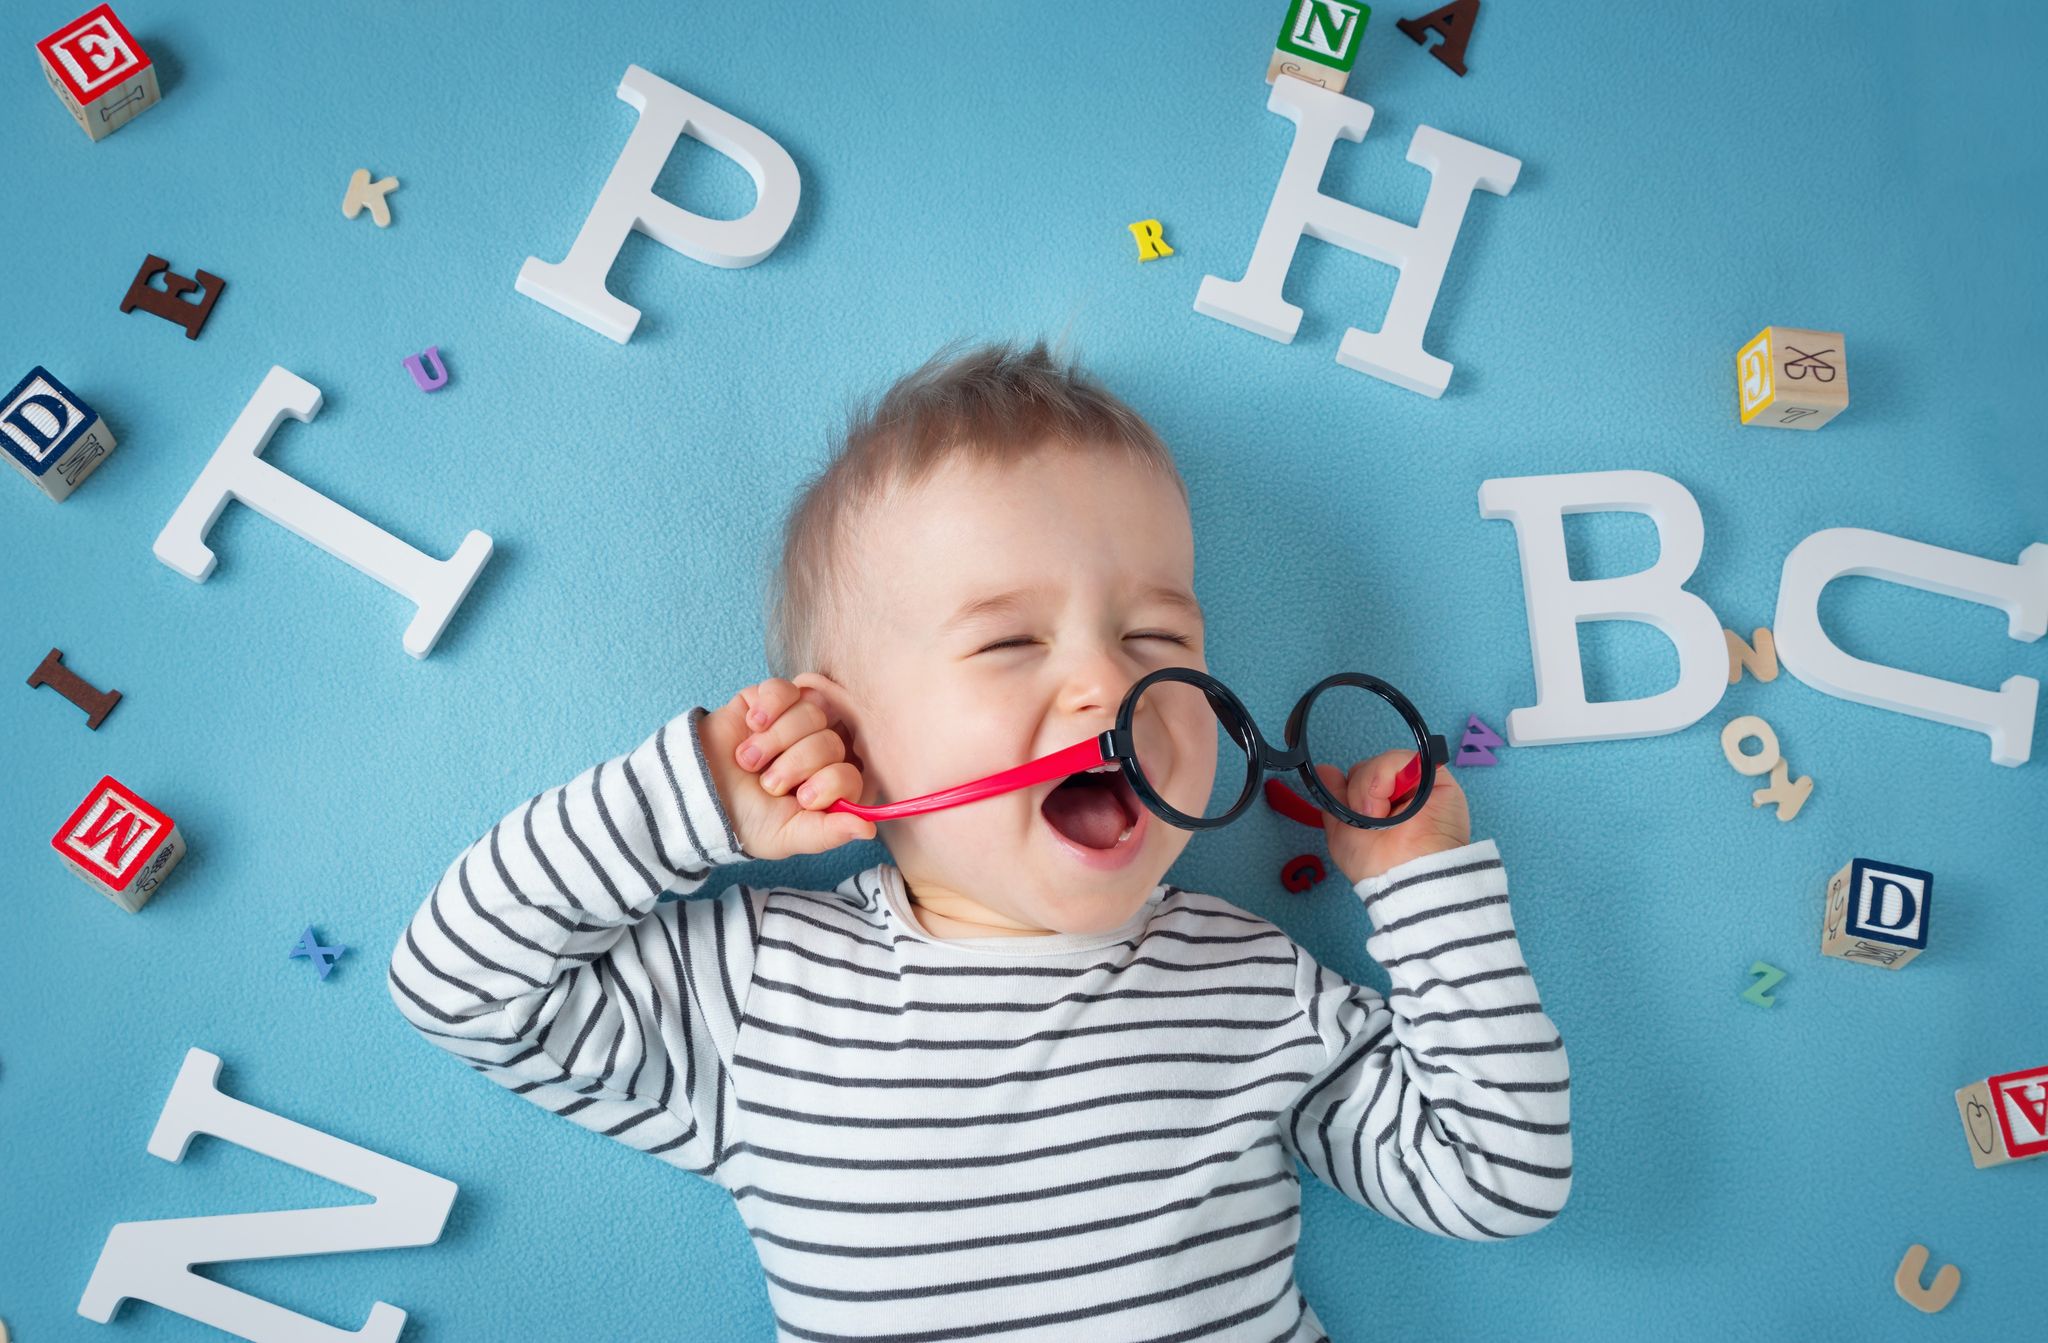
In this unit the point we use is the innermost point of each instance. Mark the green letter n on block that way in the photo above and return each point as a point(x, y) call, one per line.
point(1324, 31)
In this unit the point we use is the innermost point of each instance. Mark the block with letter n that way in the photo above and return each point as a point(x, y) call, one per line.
point(1319, 42)
point(1877, 913)
point(119, 844)
point(50, 435)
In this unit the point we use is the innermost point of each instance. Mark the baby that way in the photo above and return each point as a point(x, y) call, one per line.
point(1011, 1085)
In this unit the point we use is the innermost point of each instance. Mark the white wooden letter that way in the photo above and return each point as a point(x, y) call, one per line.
point(1557, 603)
point(1420, 252)
point(238, 471)
point(2006, 715)
point(152, 1261)
point(574, 286)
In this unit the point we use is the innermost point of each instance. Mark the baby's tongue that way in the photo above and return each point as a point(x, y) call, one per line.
point(1086, 813)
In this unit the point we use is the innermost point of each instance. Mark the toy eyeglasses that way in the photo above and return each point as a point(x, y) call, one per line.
point(1345, 717)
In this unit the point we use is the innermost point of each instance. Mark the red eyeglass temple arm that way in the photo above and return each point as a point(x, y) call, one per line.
point(1087, 755)
point(1072, 760)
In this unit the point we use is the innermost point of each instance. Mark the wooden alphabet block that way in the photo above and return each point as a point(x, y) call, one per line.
point(51, 436)
point(1792, 378)
point(1877, 913)
point(1319, 42)
point(2006, 1117)
point(99, 72)
point(120, 845)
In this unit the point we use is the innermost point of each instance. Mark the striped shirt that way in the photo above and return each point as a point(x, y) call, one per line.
point(1025, 1139)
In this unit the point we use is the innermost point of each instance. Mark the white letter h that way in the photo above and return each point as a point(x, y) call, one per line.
point(1421, 251)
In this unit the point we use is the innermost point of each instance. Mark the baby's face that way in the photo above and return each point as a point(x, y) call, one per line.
point(1095, 550)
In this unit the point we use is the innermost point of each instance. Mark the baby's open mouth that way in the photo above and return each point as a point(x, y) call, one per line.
point(1095, 810)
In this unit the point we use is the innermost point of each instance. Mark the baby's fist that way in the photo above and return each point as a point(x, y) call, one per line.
point(1442, 824)
point(778, 763)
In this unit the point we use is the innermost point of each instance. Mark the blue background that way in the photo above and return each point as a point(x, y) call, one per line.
point(969, 170)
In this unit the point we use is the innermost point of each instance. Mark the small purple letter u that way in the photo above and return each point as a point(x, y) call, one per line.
point(419, 374)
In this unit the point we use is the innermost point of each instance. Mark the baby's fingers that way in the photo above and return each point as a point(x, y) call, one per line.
point(814, 829)
point(769, 700)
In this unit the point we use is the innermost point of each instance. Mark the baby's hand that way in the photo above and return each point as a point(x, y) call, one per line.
point(778, 764)
point(1442, 824)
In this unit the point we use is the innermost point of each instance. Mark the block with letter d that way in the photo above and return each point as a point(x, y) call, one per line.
point(2006, 1117)
point(119, 844)
point(1791, 378)
point(1877, 913)
point(51, 436)
point(100, 73)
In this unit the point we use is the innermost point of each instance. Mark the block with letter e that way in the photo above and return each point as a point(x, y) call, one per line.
point(100, 73)
point(2006, 1117)
point(1877, 913)
point(121, 845)
point(1319, 42)
point(1791, 378)
point(50, 435)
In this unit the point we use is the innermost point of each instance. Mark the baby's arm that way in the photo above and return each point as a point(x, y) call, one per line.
point(543, 960)
point(1445, 1104)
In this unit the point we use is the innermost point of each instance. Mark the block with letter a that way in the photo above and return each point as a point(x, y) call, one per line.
point(101, 74)
point(237, 471)
point(575, 285)
point(119, 844)
point(152, 1261)
point(2006, 1117)
point(50, 435)
point(1420, 251)
point(1877, 913)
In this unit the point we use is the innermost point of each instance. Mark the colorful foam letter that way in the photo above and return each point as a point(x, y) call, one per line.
point(1453, 23)
point(1929, 1299)
point(166, 302)
point(362, 191)
point(308, 948)
point(52, 672)
point(1420, 251)
point(1151, 244)
point(1761, 658)
point(2006, 715)
point(426, 383)
point(1302, 872)
point(1768, 977)
point(574, 286)
point(238, 471)
point(1476, 748)
point(1558, 603)
point(152, 1261)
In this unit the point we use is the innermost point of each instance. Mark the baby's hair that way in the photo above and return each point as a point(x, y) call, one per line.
point(988, 405)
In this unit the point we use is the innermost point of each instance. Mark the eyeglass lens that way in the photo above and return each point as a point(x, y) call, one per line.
point(1198, 763)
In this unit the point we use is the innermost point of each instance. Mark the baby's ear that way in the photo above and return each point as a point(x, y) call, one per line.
point(841, 711)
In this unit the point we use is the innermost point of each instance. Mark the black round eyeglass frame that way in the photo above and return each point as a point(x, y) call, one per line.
point(1260, 759)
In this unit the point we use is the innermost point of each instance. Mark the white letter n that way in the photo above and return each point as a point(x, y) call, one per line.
point(1421, 252)
point(574, 286)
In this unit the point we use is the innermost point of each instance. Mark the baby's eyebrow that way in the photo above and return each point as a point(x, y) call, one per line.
point(1014, 600)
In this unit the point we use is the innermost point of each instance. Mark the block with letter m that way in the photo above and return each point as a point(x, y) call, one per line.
point(119, 843)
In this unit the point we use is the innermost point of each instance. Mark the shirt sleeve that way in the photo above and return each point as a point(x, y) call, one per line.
point(1445, 1104)
point(546, 960)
